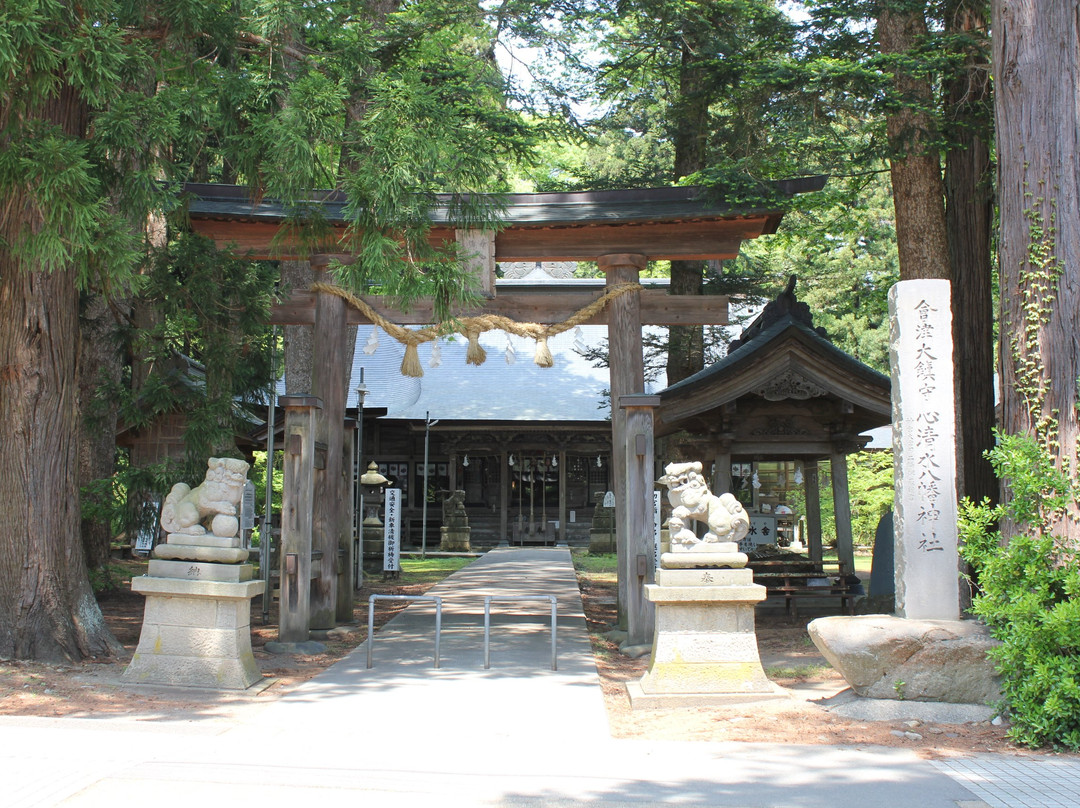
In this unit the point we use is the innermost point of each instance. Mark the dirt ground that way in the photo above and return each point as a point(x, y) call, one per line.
point(789, 658)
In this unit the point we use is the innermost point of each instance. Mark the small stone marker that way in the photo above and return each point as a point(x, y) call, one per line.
point(924, 444)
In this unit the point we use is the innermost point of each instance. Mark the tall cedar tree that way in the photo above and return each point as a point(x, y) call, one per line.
point(936, 105)
point(1037, 115)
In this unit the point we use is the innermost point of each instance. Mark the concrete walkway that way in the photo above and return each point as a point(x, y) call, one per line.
point(519, 734)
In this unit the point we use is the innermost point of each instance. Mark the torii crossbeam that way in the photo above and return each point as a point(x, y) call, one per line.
point(620, 230)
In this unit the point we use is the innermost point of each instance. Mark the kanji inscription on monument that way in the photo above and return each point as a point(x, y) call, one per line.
point(924, 446)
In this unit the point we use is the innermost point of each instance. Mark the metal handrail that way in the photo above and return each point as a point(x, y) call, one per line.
point(487, 623)
point(371, 620)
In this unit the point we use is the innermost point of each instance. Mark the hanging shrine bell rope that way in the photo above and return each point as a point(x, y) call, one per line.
point(473, 327)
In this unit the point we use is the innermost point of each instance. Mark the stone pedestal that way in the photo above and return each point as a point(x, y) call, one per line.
point(704, 647)
point(455, 538)
point(196, 628)
point(455, 531)
point(373, 537)
point(602, 531)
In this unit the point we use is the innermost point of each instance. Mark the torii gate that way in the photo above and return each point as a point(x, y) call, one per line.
point(620, 230)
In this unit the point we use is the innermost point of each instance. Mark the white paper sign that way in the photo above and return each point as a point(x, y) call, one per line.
point(609, 499)
point(656, 503)
point(247, 507)
point(147, 530)
point(762, 531)
point(392, 531)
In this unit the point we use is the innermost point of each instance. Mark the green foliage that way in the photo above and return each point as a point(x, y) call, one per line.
point(108, 579)
point(210, 352)
point(1029, 591)
point(125, 500)
point(257, 475)
point(870, 485)
point(842, 246)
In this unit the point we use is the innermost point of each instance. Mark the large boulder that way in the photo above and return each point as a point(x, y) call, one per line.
point(886, 657)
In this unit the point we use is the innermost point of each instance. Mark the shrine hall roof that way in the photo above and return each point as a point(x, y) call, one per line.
point(781, 346)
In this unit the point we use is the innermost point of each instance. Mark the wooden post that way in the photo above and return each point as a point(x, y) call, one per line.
point(845, 550)
point(636, 564)
point(563, 510)
point(344, 611)
point(504, 497)
point(478, 248)
point(721, 482)
point(297, 496)
point(626, 365)
point(328, 383)
point(813, 509)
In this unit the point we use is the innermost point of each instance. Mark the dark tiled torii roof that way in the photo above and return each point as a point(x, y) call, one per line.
point(542, 209)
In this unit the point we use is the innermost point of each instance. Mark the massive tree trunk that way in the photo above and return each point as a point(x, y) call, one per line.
point(47, 609)
point(1037, 113)
point(915, 168)
point(969, 210)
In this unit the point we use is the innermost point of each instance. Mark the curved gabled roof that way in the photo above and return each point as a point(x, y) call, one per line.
point(781, 356)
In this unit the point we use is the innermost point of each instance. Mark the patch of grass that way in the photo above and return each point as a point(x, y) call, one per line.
point(431, 570)
point(599, 562)
point(862, 562)
point(796, 672)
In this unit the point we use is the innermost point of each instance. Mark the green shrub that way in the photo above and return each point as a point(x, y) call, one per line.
point(1029, 592)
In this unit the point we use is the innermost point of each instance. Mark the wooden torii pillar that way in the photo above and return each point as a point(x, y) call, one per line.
point(626, 365)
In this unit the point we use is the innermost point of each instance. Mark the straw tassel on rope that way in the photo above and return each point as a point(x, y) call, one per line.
point(543, 355)
point(475, 355)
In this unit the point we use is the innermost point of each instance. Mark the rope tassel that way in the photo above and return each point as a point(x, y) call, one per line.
point(410, 364)
point(475, 355)
point(543, 356)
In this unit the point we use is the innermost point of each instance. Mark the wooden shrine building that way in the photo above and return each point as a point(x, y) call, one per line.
point(782, 400)
point(620, 230)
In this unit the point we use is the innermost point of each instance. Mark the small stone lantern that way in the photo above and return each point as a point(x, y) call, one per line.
point(372, 484)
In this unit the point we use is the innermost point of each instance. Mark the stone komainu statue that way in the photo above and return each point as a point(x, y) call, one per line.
point(213, 504)
point(691, 499)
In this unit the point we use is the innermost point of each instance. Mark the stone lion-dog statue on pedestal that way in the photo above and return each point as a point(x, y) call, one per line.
point(691, 499)
point(212, 504)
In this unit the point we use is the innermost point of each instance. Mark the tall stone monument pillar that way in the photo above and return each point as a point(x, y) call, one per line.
point(924, 447)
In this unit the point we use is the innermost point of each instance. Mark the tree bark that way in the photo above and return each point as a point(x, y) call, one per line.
point(1036, 60)
point(915, 168)
point(968, 211)
point(47, 608)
